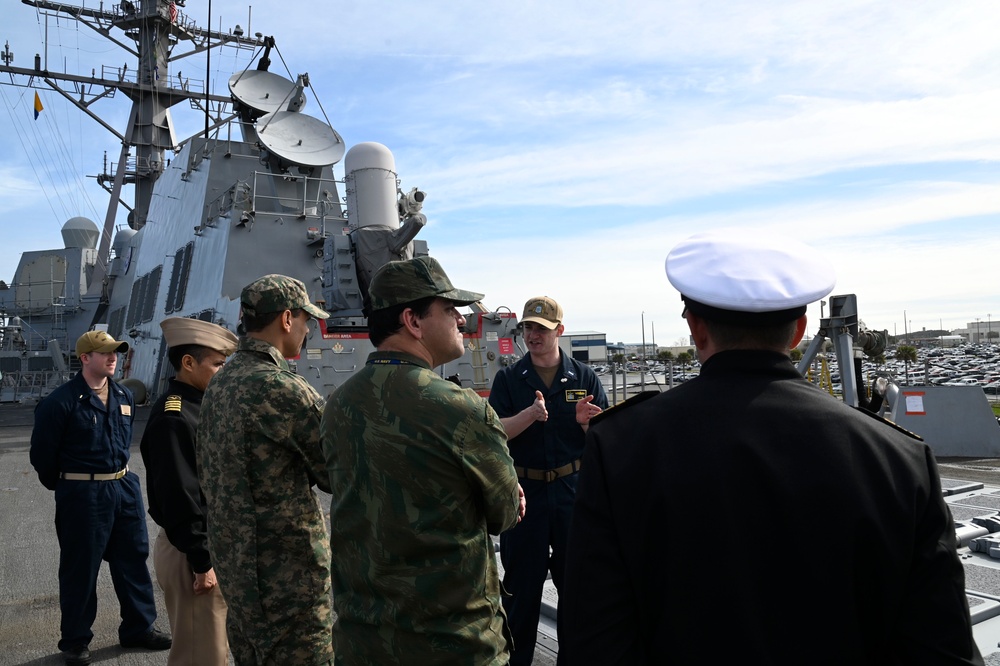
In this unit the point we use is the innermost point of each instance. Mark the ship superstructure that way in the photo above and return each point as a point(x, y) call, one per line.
point(254, 193)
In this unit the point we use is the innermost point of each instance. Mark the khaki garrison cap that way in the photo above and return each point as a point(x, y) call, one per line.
point(749, 278)
point(399, 282)
point(179, 331)
point(543, 311)
point(277, 293)
point(99, 341)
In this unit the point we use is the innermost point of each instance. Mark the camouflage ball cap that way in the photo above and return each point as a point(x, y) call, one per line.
point(399, 282)
point(277, 293)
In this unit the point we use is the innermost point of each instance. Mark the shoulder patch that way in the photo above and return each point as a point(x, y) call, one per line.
point(631, 402)
point(888, 423)
point(173, 404)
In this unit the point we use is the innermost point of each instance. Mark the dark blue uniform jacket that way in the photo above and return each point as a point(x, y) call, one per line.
point(75, 408)
point(560, 439)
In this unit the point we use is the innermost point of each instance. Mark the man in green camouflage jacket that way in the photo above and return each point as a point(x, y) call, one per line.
point(259, 455)
point(421, 477)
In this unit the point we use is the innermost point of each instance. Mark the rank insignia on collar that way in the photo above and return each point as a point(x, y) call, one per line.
point(173, 404)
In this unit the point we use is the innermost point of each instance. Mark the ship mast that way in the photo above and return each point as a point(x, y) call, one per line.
point(151, 29)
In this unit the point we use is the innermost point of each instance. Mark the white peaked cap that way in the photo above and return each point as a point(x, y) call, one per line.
point(738, 271)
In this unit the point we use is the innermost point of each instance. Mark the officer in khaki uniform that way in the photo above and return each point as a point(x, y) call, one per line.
point(196, 350)
point(259, 457)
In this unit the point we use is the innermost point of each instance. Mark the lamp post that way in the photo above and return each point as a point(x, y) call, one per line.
point(989, 327)
point(978, 336)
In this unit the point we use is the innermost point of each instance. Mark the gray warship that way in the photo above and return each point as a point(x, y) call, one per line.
point(257, 192)
point(253, 193)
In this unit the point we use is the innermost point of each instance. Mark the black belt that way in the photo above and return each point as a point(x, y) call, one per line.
point(548, 475)
point(79, 476)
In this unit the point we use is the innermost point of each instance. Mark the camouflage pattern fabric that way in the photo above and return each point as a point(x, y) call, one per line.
point(399, 282)
point(258, 457)
point(277, 293)
point(420, 475)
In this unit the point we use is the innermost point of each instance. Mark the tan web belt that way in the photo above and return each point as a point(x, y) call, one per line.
point(77, 476)
point(548, 475)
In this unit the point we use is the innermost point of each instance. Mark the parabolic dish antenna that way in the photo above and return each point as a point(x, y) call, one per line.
point(300, 139)
point(265, 92)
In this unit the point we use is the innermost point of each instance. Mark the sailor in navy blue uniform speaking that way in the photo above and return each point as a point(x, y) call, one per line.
point(748, 516)
point(545, 402)
point(80, 449)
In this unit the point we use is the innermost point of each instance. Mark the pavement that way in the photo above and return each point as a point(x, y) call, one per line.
point(29, 562)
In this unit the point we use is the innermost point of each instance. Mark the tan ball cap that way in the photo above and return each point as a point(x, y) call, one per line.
point(99, 341)
point(543, 311)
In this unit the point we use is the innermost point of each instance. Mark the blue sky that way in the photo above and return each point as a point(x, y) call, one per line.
point(565, 147)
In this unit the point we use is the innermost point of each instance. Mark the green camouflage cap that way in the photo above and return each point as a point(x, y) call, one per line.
point(276, 293)
point(400, 282)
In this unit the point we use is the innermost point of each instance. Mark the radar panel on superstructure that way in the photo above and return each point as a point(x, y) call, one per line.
point(300, 139)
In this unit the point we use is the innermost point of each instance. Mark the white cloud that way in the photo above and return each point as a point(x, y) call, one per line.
point(566, 146)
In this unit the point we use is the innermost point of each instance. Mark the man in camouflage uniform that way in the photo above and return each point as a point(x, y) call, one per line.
point(421, 477)
point(258, 457)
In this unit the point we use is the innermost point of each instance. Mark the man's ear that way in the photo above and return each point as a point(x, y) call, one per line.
point(188, 362)
point(699, 332)
point(411, 322)
point(800, 331)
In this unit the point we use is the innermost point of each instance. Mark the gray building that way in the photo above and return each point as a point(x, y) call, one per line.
point(585, 346)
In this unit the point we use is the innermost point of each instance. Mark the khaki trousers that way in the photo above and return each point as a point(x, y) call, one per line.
point(197, 622)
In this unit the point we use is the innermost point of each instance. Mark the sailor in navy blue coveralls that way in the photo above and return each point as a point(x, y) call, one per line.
point(80, 449)
point(547, 454)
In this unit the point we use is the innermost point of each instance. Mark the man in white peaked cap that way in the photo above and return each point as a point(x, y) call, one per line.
point(746, 514)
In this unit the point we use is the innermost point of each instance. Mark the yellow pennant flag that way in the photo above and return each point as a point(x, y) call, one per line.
point(38, 105)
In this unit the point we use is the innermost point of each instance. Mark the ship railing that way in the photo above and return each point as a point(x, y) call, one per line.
point(25, 338)
point(133, 165)
point(123, 74)
point(302, 196)
point(237, 196)
point(21, 386)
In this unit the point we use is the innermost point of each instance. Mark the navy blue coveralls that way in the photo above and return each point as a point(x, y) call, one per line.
point(548, 445)
point(95, 520)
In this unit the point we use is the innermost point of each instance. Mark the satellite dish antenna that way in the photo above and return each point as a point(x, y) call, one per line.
point(266, 92)
point(300, 139)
